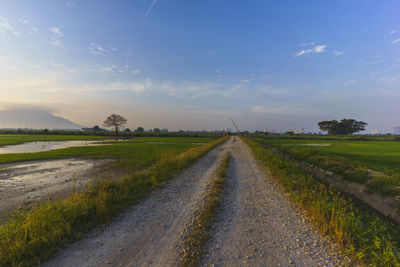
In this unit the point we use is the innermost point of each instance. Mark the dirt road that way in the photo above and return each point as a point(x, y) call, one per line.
point(256, 225)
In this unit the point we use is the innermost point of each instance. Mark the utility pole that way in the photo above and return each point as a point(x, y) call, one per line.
point(234, 124)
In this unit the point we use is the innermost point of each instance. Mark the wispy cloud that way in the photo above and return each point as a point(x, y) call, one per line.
point(337, 53)
point(393, 32)
point(56, 42)
point(395, 41)
point(23, 21)
point(57, 32)
point(96, 49)
point(70, 4)
point(314, 50)
point(6, 27)
point(307, 44)
point(137, 71)
point(34, 30)
point(151, 7)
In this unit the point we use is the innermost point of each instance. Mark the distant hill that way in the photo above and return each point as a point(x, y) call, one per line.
point(37, 119)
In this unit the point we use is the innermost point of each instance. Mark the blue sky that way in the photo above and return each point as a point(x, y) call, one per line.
point(196, 64)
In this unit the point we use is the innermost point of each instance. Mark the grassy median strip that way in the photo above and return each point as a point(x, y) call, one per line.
point(199, 234)
point(30, 237)
point(367, 238)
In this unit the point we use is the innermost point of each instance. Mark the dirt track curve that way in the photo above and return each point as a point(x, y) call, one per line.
point(256, 225)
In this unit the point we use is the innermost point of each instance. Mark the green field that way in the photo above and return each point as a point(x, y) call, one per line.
point(376, 163)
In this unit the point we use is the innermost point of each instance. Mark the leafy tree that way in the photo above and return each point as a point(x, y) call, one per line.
point(139, 129)
point(96, 128)
point(116, 121)
point(127, 130)
point(343, 127)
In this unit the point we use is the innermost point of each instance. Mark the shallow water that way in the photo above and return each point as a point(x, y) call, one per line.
point(27, 182)
point(307, 144)
point(33, 147)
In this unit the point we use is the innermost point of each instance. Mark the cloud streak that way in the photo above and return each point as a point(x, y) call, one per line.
point(395, 41)
point(151, 7)
point(96, 49)
point(314, 50)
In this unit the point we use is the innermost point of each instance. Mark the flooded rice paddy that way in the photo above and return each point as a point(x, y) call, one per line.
point(41, 146)
point(28, 182)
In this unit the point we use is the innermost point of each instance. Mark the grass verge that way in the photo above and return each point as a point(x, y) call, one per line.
point(362, 235)
point(30, 237)
point(193, 247)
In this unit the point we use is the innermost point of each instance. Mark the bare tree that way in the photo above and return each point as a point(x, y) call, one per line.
point(116, 121)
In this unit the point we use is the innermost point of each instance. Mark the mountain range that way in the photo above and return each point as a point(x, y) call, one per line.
point(36, 119)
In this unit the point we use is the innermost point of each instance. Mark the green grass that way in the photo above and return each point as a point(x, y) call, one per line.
point(30, 237)
point(199, 234)
point(362, 235)
point(14, 139)
point(351, 159)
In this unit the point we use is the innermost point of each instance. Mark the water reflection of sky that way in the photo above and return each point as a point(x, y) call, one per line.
point(32, 147)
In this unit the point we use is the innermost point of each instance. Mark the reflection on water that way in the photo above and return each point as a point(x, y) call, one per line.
point(33, 147)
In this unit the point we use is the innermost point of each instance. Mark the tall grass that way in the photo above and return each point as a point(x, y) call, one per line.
point(30, 237)
point(364, 236)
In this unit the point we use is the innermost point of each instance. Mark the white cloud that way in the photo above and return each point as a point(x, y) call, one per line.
point(23, 21)
point(337, 53)
point(393, 32)
point(57, 32)
point(307, 44)
point(319, 48)
point(138, 71)
point(56, 43)
point(6, 27)
point(314, 50)
point(395, 41)
point(96, 49)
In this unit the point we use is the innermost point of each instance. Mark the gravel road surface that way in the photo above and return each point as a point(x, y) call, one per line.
point(256, 225)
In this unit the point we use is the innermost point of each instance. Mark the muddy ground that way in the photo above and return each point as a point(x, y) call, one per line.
point(24, 183)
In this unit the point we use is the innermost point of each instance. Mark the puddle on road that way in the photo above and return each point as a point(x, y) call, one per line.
point(23, 183)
